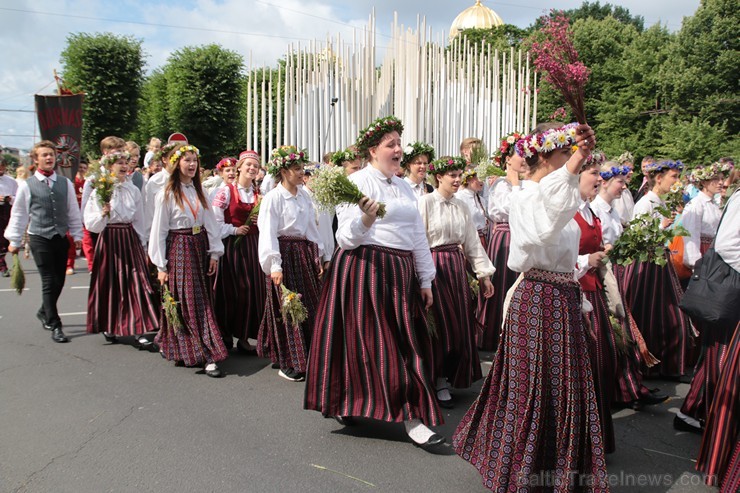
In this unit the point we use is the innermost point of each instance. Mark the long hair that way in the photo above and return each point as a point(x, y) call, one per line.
point(174, 185)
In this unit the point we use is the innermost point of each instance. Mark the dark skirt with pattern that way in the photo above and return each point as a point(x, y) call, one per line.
point(455, 355)
point(490, 311)
point(200, 341)
point(4, 244)
point(652, 293)
point(537, 415)
point(371, 352)
point(240, 291)
point(285, 344)
point(696, 350)
point(602, 348)
point(122, 300)
point(718, 455)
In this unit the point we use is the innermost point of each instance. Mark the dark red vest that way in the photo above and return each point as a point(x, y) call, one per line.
point(237, 212)
point(591, 242)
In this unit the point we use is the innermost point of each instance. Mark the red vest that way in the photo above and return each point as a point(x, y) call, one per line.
point(591, 242)
point(237, 212)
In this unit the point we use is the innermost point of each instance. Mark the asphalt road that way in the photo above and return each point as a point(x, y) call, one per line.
point(92, 417)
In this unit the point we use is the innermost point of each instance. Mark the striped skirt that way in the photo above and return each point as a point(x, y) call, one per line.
point(284, 344)
point(371, 351)
point(455, 355)
point(4, 219)
point(652, 293)
point(602, 348)
point(490, 312)
point(718, 455)
point(240, 291)
point(122, 300)
point(187, 265)
point(537, 415)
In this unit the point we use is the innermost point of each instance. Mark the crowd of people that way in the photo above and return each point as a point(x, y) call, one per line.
point(401, 289)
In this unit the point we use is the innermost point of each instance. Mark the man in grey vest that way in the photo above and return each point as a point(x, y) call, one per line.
point(47, 204)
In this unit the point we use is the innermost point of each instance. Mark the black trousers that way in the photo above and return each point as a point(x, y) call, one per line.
point(51, 259)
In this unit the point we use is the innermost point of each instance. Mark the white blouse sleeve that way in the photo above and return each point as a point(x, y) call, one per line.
point(474, 251)
point(499, 200)
point(312, 231)
point(159, 231)
point(215, 245)
point(691, 220)
point(138, 222)
point(268, 247)
point(425, 270)
point(220, 203)
point(95, 222)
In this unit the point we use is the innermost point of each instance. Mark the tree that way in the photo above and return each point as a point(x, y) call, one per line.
point(11, 160)
point(153, 108)
point(697, 142)
point(500, 37)
point(205, 98)
point(594, 10)
point(109, 70)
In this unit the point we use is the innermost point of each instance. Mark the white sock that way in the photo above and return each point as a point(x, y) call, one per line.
point(211, 366)
point(418, 431)
point(443, 391)
point(688, 420)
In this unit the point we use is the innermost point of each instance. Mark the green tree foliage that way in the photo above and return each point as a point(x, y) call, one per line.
point(696, 142)
point(153, 108)
point(594, 10)
point(205, 99)
point(109, 70)
point(11, 161)
point(500, 37)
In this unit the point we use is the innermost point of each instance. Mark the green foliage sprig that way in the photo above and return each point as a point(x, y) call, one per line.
point(171, 312)
point(17, 276)
point(291, 307)
point(331, 187)
point(644, 241)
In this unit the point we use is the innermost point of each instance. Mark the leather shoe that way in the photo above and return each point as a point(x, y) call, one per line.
point(110, 338)
point(345, 420)
point(653, 398)
point(58, 336)
point(682, 425)
point(215, 373)
point(432, 444)
point(42, 319)
point(446, 404)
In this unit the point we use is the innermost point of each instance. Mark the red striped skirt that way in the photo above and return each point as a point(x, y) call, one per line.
point(490, 312)
point(455, 355)
point(652, 294)
point(718, 455)
point(284, 344)
point(240, 291)
point(537, 412)
point(122, 300)
point(602, 348)
point(187, 265)
point(4, 219)
point(371, 351)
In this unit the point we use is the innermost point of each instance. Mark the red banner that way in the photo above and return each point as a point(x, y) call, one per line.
point(60, 121)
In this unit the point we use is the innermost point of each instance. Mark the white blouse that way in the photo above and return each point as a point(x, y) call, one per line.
point(648, 204)
point(156, 183)
point(168, 216)
point(727, 241)
point(401, 228)
point(624, 206)
point(9, 187)
point(611, 221)
point(544, 234)
point(324, 222)
point(419, 189)
point(221, 202)
point(448, 222)
point(476, 206)
point(284, 214)
point(499, 200)
point(125, 208)
point(700, 218)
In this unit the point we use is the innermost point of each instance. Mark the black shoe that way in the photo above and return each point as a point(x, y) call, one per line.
point(275, 366)
point(42, 317)
point(682, 425)
point(292, 375)
point(345, 420)
point(241, 348)
point(6, 273)
point(110, 338)
point(653, 398)
point(144, 344)
point(215, 373)
point(446, 404)
point(432, 444)
point(58, 336)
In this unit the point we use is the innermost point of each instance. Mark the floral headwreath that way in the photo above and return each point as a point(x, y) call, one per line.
point(467, 174)
point(615, 171)
point(416, 149)
point(227, 162)
point(626, 157)
point(284, 157)
point(370, 136)
point(547, 141)
point(165, 149)
point(112, 157)
point(704, 173)
point(507, 148)
point(344, 156)
point(181, 151)
point(446, 163)
point(725, 167)
point(311, 168)
point(659, 167)
point(596, 158)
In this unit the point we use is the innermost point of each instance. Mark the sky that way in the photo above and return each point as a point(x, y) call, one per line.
point(33, 33)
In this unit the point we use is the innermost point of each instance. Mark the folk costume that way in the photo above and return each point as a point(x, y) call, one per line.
point(8, 190)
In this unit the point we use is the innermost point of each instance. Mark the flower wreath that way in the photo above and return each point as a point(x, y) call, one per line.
point(507, 148)
point(626, 157)
point(615, 171)
point(725, 167)
point(547, 141)
point(111, 158)
point(596, 158)
point(181, 151)
point(662, 166)
point(370, 136)
point(467, 174)
point(165, 149)
point(227, 162)
point(311, 168)
point(284, 157)
point(416, 149)
point(704, 173)
point(446, 163)
point(344, 156)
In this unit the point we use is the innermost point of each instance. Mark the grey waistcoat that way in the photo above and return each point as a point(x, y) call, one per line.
point(48, 207)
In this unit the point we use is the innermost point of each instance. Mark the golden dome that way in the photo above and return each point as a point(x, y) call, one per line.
point(476, 17)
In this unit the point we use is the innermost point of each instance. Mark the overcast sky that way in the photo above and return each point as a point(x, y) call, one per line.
point(34, 32)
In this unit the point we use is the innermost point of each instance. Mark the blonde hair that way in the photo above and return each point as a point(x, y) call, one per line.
point(154, 143)
point(22, 173)
point(112, 143)
point(131, 145)
point(469, 143)
point(38, 145)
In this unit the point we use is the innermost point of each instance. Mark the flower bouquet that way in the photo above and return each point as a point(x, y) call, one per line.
point(644, 241)
point(474, 285)
point(291, 307)
point(674, 198)
point(17, 276)
point(485, 167)
point(171, 313)
point(103, 184)
point(331, 187)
